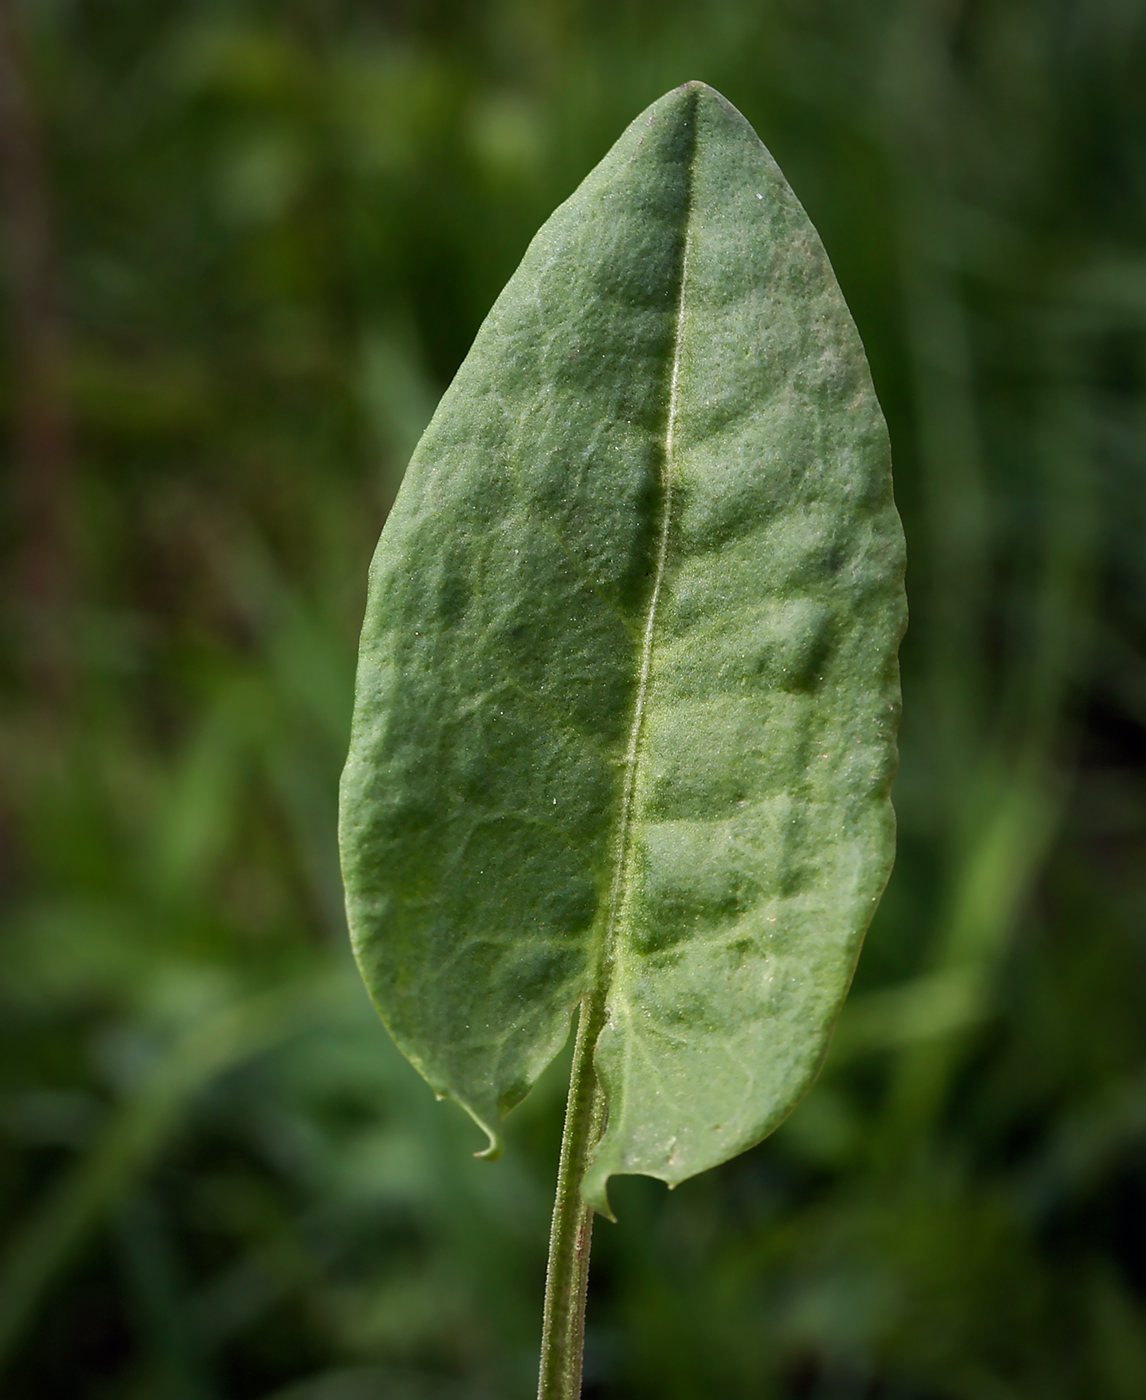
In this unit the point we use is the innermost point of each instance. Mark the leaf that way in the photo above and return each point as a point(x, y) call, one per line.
point(627, 692)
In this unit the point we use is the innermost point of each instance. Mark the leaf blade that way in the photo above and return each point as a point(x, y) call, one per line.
point(546, 652)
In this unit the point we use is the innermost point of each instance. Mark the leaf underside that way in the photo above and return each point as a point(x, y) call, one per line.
point(627, 692)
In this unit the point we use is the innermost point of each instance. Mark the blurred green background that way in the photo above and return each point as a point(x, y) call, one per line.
point(248, 243)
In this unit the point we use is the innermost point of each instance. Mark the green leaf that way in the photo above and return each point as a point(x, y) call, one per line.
point(627, 693)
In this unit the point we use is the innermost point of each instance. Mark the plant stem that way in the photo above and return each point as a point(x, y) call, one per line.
point(563, 1330)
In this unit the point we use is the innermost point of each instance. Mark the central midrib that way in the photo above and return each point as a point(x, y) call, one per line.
point(607, 957)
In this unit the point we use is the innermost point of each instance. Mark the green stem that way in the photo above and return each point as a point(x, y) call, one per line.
point(563, 1331)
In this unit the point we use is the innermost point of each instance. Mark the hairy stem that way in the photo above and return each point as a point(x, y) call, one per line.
point(563, 1331)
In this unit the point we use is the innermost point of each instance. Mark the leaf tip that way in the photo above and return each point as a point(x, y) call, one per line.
point(697, 87)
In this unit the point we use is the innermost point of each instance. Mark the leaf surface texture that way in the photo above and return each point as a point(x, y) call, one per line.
point(627, 692)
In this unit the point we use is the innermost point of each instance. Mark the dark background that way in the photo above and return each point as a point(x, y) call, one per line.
point(246, 246)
